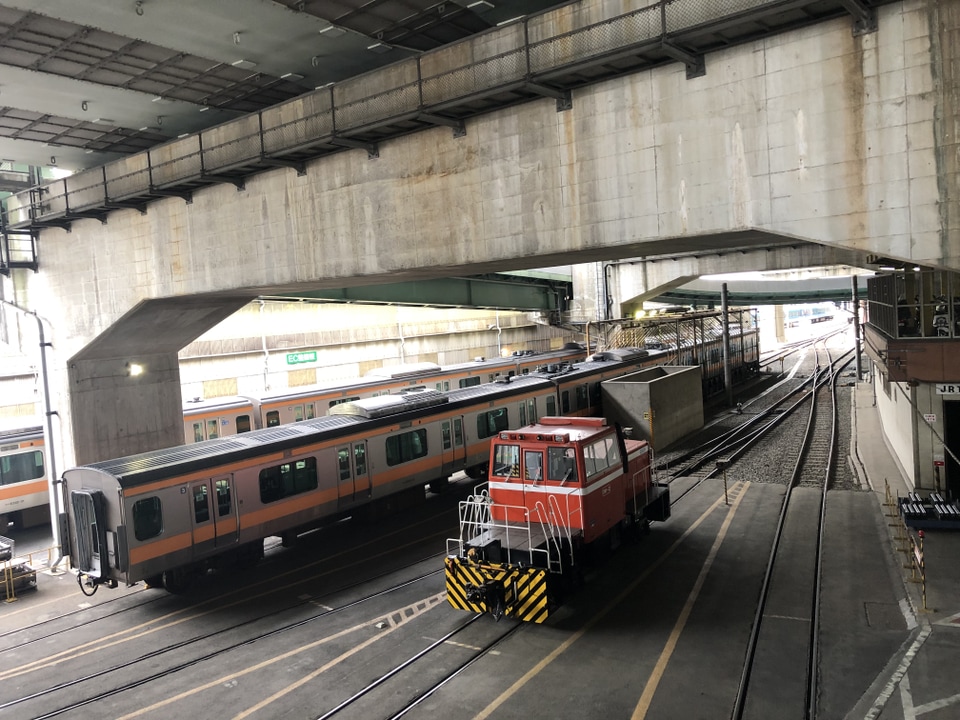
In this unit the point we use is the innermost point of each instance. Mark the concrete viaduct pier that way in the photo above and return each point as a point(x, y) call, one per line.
point(818, 135)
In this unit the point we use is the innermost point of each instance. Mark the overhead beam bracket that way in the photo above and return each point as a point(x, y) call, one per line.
point(696, 65)
point(459, 129)
point(238, 182)
point(126, 205)
point(373, 150)
point(864, 17)
point(563, 97)
point(185, 195)
point(299, 165)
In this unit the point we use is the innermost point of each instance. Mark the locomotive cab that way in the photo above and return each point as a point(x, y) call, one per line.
point(555, 489)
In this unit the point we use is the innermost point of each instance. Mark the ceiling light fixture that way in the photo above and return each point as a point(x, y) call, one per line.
point(332, 31)
point(291, 76)
point(244, 64)
point(379, 48)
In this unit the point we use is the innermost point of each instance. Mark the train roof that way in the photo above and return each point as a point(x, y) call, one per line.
point(15, 435)
point(154, 465)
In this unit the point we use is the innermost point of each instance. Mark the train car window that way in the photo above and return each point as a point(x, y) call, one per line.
point(201, 508)
point(243, 423)
point(532, 410)
point(147, 518)
point(273, 418)
point(212, 428)
point(445, 434)
point(20, 467)
point(458, 432)
point(506, 461)
point(551, 406)
point(561, 464)
point(360, 459)
point(338, 401)
point(343, 463)
point(565, 402)
point(198, 432)
point(582, 397)
point(444, 386)
point(523, 415)
point(310, 411)
point(470, 381)
point(281, 481)
point(223, 497)
point(406, 446)
point(491, 422)
point(298, 413)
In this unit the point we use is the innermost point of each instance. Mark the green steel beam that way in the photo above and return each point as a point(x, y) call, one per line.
point(701, 298)
point(506, 292)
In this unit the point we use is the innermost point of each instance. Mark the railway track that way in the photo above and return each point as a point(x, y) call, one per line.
point(195, 641)
point(786, 624)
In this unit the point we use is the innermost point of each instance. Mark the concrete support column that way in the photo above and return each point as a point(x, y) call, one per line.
point(117, 412)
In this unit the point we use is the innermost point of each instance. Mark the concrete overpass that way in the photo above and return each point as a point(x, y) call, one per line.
point(820, 135)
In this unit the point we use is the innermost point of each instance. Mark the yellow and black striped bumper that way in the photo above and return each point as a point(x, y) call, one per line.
point(498, 589)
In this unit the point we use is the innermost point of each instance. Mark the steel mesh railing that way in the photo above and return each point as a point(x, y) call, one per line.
point(598, 39)
point(686, 14)
point(482, 64)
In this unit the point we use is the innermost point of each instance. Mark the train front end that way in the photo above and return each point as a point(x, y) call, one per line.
point(96, 537)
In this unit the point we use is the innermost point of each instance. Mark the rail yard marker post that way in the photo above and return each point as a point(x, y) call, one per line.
point(722, 465)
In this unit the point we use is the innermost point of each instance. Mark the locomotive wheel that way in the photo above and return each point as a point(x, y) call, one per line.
point(177, 580)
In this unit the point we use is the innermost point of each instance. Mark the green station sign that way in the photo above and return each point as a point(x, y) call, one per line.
point(301, 357)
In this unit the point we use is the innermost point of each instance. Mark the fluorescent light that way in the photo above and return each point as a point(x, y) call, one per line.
point(332, 31)
point(379, 48)
point(292, 77)
point(244, 64)
point(481, 6)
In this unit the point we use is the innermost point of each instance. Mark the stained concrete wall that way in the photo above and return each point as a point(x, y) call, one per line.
point(661, 404)
point(814, 134)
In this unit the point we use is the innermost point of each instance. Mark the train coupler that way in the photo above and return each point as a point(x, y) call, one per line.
point(500, 589)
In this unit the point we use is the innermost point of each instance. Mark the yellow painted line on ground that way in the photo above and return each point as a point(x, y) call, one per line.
point(539, 667)
point(427, 603)
point(643, 705)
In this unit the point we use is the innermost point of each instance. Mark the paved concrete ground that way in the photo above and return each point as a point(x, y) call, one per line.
point(921, 678)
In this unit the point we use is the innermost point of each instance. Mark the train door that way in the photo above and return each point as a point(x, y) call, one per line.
point(353, 482)
point(454, 448)
point(214, 510)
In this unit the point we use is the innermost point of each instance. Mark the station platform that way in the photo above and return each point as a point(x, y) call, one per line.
point(921, 679)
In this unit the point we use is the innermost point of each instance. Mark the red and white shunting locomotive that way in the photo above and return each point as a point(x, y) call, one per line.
point(556, 489)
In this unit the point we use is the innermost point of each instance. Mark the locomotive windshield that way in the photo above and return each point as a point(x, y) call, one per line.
point(506, 460)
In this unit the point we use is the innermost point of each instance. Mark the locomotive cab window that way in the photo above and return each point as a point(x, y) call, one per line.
point(600, 455)
point(506, 461)
point(147, 518)
point(561, 464)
